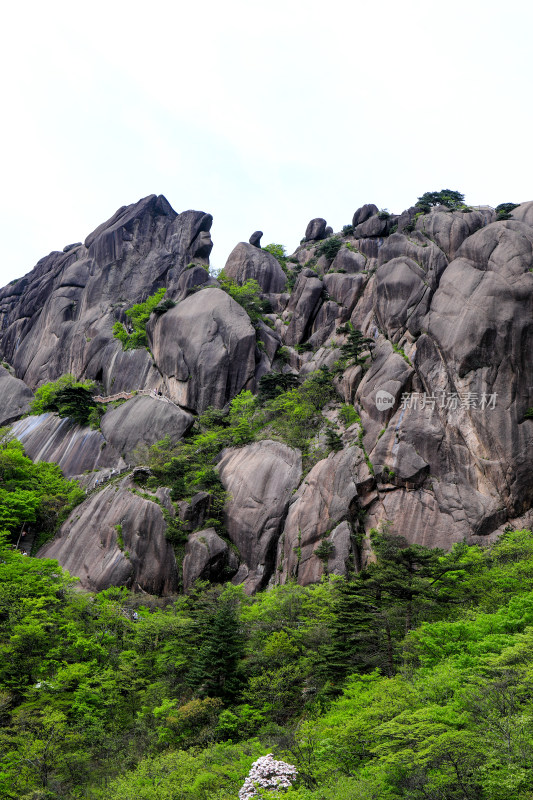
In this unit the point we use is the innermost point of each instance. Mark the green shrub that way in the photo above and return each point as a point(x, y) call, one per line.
point(347, 230)
point(355, 346)
point(446, 197)
point(503, 211)
point(248, 296)
point(329, 247)
point(139, 315)
point(348, 415)
point(69, 398)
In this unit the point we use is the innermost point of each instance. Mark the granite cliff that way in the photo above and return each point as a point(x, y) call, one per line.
point(439, 444)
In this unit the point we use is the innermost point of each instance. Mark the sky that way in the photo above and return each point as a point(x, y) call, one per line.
point(263, 115)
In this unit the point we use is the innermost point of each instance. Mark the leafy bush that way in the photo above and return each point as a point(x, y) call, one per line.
point(139, 315)
point(383, 214)
point(347, 230)
point(275, 383)
point(503, 211)
point(248, 296)
point(278, 251)
point(446, 197)
point(69, 398)
point(329, 247)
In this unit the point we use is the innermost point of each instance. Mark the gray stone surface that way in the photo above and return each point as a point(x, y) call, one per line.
point(58, 318)
point(74, 448)
point(88, 544)
point(205, 346)
point(259, 479)
point(207, 557)
point(143, 420)
point(249, 262)
point(316, 230)
point(16, 397)
point(333, 491)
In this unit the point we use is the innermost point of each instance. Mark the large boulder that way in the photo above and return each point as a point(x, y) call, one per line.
point(316, 230)
point(207, 557)
point(260, 479)
point(248, 262)
point(364, 213)
point(116, 538)
point(303, 307)
point(76, 449)
point(16, 397)
point(143, 420)
point(205, 348)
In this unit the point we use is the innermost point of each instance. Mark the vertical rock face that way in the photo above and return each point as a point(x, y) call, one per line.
point(16, 397)
point(259, 479)
point(205, 346)
point(58, 318)
point(116, 538)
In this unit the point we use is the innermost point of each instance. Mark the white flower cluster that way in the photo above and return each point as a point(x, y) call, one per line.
point(265, 773)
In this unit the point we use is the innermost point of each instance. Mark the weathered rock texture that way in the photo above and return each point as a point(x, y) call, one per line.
point(143, 421)
point(248, 262)
point(58, 318)
point(76, 449)
point(205, 346)
point(447, 300)
point(259, 479)
point(116, 538)
point(15, 397)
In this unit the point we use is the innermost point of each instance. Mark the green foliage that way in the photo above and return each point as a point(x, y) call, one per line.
point(529, 413)
point(347, 230)
point(34, 496)
point(348, 415)
point(412, 679)
point(248, 296)
point(279, 252)
point(275, 383)
point(352, 350)
point(446, 197)
point(383, 214)
point(69, 398)
point(139, 314)
point(333, 440)
point(503, 211)
point(329, 247)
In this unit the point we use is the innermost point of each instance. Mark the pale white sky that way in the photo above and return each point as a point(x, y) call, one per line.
point(262, 114)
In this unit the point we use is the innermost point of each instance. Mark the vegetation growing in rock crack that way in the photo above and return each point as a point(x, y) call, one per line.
point(138, 314)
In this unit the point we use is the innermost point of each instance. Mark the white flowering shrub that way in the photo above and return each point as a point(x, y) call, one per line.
point(267, 774)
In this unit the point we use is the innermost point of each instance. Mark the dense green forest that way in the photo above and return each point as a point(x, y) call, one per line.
point(412, 679)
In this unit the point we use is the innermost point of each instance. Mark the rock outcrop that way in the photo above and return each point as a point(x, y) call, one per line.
point(248, 262)
point(16, 397)
point(438, 442)
point(260, 479)
point(205, 347)
point(116, 538)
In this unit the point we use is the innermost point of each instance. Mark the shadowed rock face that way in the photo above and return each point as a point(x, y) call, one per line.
point(207, 557)
point(58, 318)
point(15, 397)
point(205, 347)
point(136, 554)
